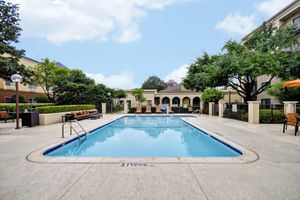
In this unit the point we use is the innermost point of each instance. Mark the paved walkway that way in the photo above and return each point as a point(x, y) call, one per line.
point(276, 175)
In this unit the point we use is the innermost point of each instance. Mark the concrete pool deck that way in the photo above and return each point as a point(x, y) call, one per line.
point(276, 175)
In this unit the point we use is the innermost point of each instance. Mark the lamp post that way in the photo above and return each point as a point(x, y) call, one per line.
point(17, 78)
point(109, 94)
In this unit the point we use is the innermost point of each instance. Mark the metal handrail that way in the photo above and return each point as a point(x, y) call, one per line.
point(72, 128)
point(198, 110)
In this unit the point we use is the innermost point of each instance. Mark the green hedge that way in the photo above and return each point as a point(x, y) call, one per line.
point(64, 108)
point(266, 116)
point(11, 107)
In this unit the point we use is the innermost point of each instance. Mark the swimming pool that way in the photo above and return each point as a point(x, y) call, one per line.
point(146, 136)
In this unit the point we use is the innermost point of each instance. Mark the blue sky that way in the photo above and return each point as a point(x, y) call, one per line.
point(122, 42)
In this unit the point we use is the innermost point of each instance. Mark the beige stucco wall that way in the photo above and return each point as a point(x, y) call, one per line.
point(265, 95)
point(28, 63)
point(148, 94)
point(151, 94)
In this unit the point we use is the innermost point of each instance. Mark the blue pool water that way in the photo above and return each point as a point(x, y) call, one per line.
point(144, 137)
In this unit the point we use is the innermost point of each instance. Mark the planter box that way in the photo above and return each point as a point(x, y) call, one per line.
point(52, 118)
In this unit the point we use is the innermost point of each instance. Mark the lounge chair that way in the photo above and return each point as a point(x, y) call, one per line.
point(5, 116)
point(158, 109)
point(170, 110)
point(148, 109)
point(138, 109)
point(84, 114)
point(293, 120)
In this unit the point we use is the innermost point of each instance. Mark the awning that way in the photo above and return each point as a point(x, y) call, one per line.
point(294, 83)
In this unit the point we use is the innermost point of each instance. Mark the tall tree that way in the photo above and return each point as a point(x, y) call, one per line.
point(263, 53)
point(138, 93)
point(47, 75)
point(10, 32)
point(153, 82)
point(171, 83)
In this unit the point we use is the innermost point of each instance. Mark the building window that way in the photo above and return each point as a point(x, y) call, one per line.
point(149, 102)
point(265, 103)
point(8, 83)
point(7, 99)
point(265, 84)
point(32, 86)
point(296, 21)
point(31, 100)
point(129, 103)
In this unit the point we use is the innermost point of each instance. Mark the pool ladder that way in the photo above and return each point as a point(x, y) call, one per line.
point(197, 111)
point(72, 128)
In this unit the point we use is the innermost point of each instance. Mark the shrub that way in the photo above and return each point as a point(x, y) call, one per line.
point(22, 99)
point(65, 108)
point(244, 117)
point(42, 98)
point(11, 107)
point(211, 95)
point(266, 116)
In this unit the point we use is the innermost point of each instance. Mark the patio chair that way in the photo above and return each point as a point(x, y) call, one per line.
point(158, 109)
point(148, 109)
point(5, 116)
point(170, 110)
point(293, 120)
point(138, 109)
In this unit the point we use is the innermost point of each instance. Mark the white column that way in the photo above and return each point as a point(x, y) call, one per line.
point(253, 112)
point(201, 106)
point(125, 107)
point(103, 108)
point(211, 107)
point(290, 106)
point(221, 108)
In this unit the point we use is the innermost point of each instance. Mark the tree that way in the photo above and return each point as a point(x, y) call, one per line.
point(171, 83)
point(119, 94)
point(264, 53)
point(153, 82)
point(284, 94)
point(47, 75)
point(211, 95)
point(138, 94)
point(42, 98)
point(9, 33)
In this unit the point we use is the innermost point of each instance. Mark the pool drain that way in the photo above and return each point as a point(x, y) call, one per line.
point(136, 164)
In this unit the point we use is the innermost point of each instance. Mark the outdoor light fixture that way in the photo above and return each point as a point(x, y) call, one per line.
point(17, 78)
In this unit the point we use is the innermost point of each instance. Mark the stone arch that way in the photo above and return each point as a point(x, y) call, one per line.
point(165, 100)
point(176, 101)
point(186, 101)
point(196, 101)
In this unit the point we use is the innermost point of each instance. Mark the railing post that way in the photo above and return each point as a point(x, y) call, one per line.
point(211, 108)
point(221, 108)
point(103, 108)
point(253, 112)
point(290, 106)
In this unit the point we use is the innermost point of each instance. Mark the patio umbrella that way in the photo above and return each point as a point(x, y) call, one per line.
point(294, 83)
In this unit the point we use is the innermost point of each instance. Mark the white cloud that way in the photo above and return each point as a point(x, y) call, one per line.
point(67, 20)
point(177, 74)
point(271, 7)
point(237, 24)
point(123, 80)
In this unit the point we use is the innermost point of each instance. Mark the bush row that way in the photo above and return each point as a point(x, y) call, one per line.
point(11, 107)
point(64, 108)
point(267, 116)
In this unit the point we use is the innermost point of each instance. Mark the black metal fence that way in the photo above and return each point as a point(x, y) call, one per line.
point(273, 113)
point(236, 111)
point(215, 110)
point(114, 108)
point(205, 109)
